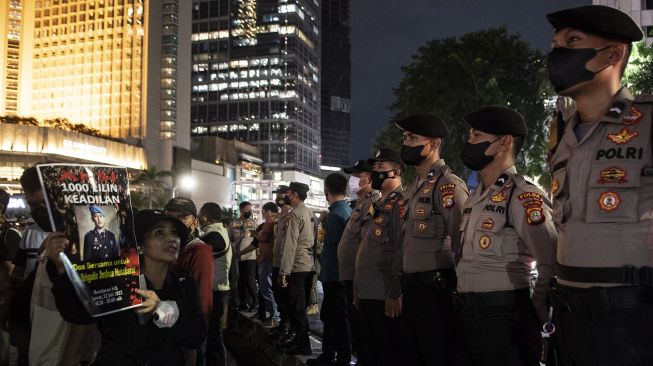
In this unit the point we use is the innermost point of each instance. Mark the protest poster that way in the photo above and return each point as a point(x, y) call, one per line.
point(91, 205)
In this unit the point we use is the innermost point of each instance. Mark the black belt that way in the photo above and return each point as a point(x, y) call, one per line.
point(438, 278)
point(494, 298)
point(600, 299)
point(627, 274)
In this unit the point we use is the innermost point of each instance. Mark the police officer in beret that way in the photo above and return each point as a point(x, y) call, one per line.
point(296, 268)
point(377, 290)
point(280, 293)
point(506, 230)
point(602, 194)
point(431, 222)
point(99, 243)
point(360, 183)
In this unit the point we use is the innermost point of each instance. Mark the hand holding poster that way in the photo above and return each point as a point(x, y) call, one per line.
point(91, 206)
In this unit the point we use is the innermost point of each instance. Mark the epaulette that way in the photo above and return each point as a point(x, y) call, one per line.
point(503, 178)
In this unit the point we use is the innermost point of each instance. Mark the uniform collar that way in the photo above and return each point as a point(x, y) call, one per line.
point(504, 178)
point(618, 107)
point(435, 168)
point(338, 203)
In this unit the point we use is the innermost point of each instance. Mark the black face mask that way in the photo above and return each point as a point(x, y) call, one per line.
point(412, 155)
point(247, 215)
point(566, 66)
point(378, 178)
point(280, 201)
point(42, 218)
point(474, 157)
point(286, 200)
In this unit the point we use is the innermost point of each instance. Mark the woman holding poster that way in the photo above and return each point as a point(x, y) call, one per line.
point(170, 318)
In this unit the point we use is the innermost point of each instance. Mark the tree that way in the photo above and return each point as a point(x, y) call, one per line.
point(454, 76)
point(639, 73)
point(150, 186)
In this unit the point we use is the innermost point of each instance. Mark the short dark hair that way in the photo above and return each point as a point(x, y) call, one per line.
point(211, 211)
point(629, 49)
point(302, 195)
point(271, 206)
point(30, 180)
point(336, 184)
point(517, 143)
point(4, 199)
point(242, 205)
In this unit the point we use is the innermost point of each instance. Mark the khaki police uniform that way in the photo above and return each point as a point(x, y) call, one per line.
point(432, 217)
point(505, 228)
point(376, 278)
point(240, 234)
point(280, 294)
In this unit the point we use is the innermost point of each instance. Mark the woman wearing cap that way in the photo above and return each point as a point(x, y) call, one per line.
point(137, 337)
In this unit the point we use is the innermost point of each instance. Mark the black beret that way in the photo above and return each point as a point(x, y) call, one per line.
point(358, 167)
point(181, 204)
point(598, 19)
point(497, 121)
point(281, 189)
point(425, 125)
point(298, 187)
point(386, 155)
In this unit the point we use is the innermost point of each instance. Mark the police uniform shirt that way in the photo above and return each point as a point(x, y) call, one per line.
point(432, 220)
point(240, 234)
point(297, 254)
point(504, 229)
point(602, 193)
point(100, 245)
point(351, 237)
point(280, 226)
point(378, 260)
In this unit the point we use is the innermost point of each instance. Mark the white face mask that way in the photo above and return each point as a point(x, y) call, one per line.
point(353, 188)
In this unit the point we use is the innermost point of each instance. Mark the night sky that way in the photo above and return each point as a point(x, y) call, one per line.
point(385, 33)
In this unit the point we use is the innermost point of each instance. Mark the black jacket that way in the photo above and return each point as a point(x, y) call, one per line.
point(124, 340)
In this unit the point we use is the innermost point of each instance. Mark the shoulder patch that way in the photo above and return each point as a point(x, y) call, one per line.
point(448, 195)
point(632, 117)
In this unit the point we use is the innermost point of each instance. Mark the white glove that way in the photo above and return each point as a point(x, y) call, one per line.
point(166, 314)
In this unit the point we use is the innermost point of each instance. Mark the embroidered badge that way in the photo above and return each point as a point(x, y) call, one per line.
point(487, 224)
point(421, 227)
point(534, 215)
point(633, 117)
point(484, 242)
point(378, 220)
point(429, 187)
point(448, 201)
point(609, 201)
point(447, 187)
point(388, 207)
point(622, 137)
point(612, 175)
point(499, 197)
point(420, 213)
point(377, 232)
point(555, 186)
point(530, 195)
point(402, 208)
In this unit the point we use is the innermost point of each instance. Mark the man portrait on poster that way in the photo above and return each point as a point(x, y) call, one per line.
point(99, 243)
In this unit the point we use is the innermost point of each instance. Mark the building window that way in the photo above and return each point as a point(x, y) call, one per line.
point(647, 5)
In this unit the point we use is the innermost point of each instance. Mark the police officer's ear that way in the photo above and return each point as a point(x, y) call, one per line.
point(505, 143)
point(436, 144)
point(617, 53)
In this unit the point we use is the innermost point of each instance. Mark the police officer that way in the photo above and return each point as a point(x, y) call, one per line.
point(295, 271)
point(603, 193)
point(361, 183)
point(99, 243)
point(506, 229)
point(377, 289)
point(432, 220)
point(243, 268)
point(280, 293)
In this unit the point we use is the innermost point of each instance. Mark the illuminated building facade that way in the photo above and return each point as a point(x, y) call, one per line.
point(111, 65)
point(11, 13)
point(640, 10)
point(336, 84)
point(255, 78)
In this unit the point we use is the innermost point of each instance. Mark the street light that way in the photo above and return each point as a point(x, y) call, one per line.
point(187, 183)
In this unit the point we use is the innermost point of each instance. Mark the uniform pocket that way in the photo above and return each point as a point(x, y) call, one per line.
point(355, 222)
point(487, 235)
point(613, 192)
point(380, 227)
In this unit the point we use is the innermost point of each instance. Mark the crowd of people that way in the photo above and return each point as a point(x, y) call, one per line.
point(427, 274)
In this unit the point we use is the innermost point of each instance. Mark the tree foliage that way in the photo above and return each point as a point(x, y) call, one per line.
point(639, 73)
point(454, 76)
point(149, 188)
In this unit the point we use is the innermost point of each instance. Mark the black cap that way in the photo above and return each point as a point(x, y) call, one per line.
point(386, 155)
point(601, 20)
point(424, 124)
point(298, 187)
point(497, 121)
point(358, 167)
point(145, 220)
point(281, 189)
point(181, 204)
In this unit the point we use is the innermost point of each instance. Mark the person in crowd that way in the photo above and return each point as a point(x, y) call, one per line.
point(264, 243)
point(506, 231)
point(280, 293)
point(431, 236)
point(360, 182)
point(126, 339)
point(241, 234)
point(296, 268)
point(196, 257)
point(336, 340)
point(99, 243)
point(9, 239)
point(602, 191)
point(377, 290)
point(216, 236)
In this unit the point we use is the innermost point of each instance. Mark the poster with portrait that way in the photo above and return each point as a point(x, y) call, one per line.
point(91, 205)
